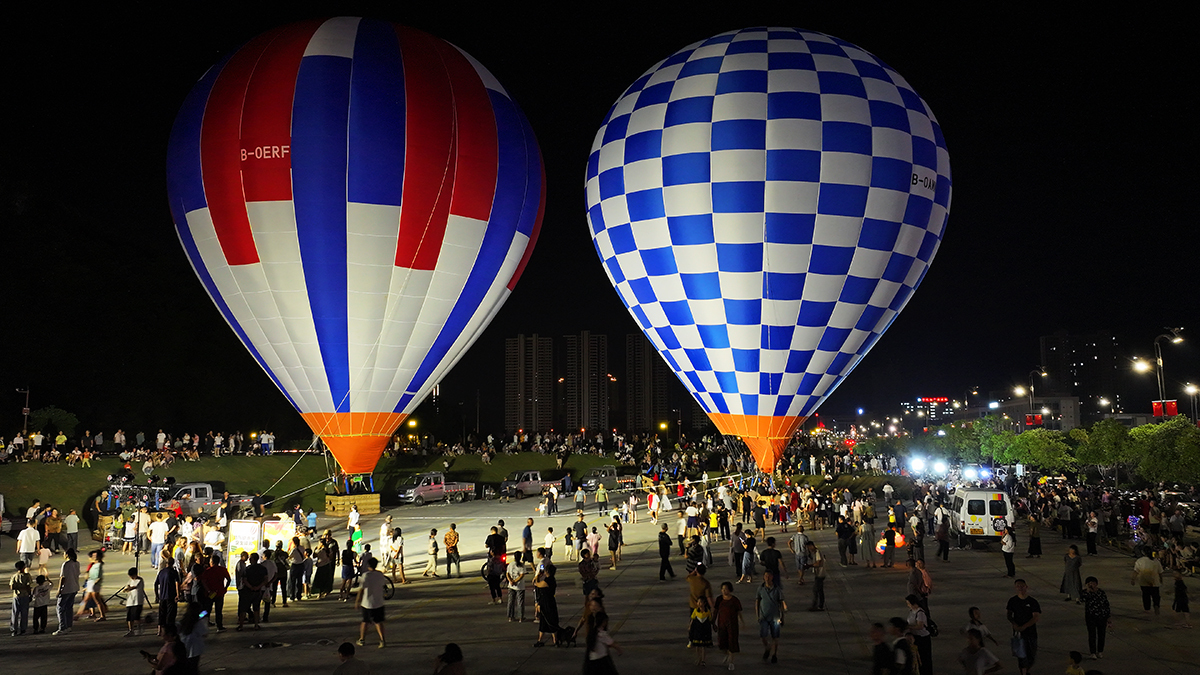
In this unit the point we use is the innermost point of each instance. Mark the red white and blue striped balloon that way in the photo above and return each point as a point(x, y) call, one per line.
point(359, 199)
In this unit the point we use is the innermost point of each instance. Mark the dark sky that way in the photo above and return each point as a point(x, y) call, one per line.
point(1072, 140)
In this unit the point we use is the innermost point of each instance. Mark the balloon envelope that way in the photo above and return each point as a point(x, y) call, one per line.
point(358, 198)
point(765, 202)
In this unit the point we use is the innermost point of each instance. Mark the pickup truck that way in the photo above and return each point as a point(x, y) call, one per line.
point(196, 496)
point(606, 476)
point(527, 484)
point(432, 487)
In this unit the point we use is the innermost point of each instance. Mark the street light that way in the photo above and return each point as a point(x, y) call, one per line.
point(1192, 390)
point(1175, 339)
point(25, 410)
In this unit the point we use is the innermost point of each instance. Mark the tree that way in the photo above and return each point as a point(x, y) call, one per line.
point(52, 418)
point(1167, 452)
point(1043, 448)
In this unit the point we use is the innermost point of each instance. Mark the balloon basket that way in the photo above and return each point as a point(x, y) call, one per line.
point(338, 506)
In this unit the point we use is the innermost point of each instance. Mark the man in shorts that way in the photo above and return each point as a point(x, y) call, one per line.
point(370, 601)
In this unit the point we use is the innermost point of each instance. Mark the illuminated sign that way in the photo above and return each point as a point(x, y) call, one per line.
point(933, 399)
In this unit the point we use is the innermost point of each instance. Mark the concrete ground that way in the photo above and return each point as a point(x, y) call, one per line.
point(649, 617)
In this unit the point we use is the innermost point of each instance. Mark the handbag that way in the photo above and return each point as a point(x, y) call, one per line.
point(1018, 645)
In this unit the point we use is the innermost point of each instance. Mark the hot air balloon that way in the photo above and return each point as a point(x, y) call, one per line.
point(765, 202)
point(359, 199)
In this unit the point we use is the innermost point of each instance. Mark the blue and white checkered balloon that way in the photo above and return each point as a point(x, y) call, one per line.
point(765, 202)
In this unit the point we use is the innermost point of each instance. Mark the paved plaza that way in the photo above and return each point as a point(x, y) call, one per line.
point(649, 618)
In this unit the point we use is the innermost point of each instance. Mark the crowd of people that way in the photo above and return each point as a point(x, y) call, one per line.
point(162, 447)
point(766, 525)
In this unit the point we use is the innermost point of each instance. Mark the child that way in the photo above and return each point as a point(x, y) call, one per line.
point(41, 603)
point(1180, 605)
point(136, 589)
point(976, 623)
point(700, 628)
point(569, 544)
point(43, 560)
point(1073, 667)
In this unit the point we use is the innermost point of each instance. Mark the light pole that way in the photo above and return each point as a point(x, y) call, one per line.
point(1192, 390)
point(1175, 339)
point(25, 410)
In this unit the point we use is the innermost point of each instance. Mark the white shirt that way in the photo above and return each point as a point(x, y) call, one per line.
point(354, 516)
point(549, 540)
point(603, 640)
point(372, 589)
point(134, 598)
point(27, 541)
point(515, 571)
point(158, 532)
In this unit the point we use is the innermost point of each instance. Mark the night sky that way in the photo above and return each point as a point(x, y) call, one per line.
point(1072, 142)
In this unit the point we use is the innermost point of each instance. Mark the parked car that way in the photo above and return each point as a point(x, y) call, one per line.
point(194, 497)
point(433, 487)
point(606, 476)
point(522, 484)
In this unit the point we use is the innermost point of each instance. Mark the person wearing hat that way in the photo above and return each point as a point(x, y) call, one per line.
point(350, 665)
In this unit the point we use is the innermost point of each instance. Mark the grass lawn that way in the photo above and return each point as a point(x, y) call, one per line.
point(69, 487)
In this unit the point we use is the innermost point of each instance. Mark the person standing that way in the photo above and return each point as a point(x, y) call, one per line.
point(1024, 612)
point(664, 553)
point(942, 536)
point(71, 528)
point(580, 530)
point(68, 588)
point(797, 546)
point(844, 533)
point(727, 613)
point(452, 557)
point(167, 589)
point(816, 561)
point(29, 542)
point(1097, 616)
point(918, 628)
point(432, 550)
point(700, 629)
point(515, 578)
point(580, 499)
point(1147, 573)
point(1035, 536)
point(215, 582)
point(252, 583)
point(21, 584)
point(769, 607)
point(527, 543)
point(1008, 546)
point(1072, 584)
point(545, 605)
point(370, 600)
point(772, 561)
point(601, 499)
point(135, 589)
point(1092, 525)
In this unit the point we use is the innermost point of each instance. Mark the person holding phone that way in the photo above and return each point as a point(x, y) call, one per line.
point(171, 652)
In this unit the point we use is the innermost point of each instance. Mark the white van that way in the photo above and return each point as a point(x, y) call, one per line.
point(980, 515)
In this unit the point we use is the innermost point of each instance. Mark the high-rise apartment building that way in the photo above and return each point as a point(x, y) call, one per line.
point(587, 382)
point(1084, 366)
point(528, 383)
point(647, 378)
